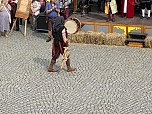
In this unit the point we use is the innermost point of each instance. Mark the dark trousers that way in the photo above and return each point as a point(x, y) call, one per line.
point(51, 21)
point(57, 49)
point(13, 11)
point(146, 5)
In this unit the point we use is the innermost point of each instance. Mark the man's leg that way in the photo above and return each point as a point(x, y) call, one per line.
point(69, 68)
point(148, 5)
point(55, 55)
point(49, 30)
point(113, 18)
point(17, 24)
point(143, 10)
point(50, 68)
point(108, 17)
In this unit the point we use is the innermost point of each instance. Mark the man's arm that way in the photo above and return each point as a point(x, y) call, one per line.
point(64, 37)
point(48, 10)
point(57, 8)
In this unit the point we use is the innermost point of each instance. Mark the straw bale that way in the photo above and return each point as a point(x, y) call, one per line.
point(115, 39)
point(87, 37)
point(148, 42)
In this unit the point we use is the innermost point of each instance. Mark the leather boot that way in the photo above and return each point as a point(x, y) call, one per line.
point(50, 68)
point(49, 38)
point(69, 68)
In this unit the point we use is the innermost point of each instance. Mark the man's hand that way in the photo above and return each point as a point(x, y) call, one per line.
point(67, 44)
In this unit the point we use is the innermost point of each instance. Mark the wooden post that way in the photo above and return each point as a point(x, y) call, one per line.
point(110, 28)
point(143, 29)
point(75, 5)
point(13, 25)
point(95, 27)
point(25, 28)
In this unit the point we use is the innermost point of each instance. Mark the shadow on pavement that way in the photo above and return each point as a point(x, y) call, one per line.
point(42, 62)
point(41, 35)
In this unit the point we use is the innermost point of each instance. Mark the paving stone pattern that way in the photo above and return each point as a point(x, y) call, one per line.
point(108, 80)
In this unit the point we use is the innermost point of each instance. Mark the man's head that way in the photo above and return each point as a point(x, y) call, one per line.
point(47, 0)
point(53, 0)
point(59, 21)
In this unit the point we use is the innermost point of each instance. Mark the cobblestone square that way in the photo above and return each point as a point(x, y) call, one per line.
point(108, 80)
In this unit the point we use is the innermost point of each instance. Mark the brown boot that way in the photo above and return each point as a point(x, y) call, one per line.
point(69, 68)
point(50, 68)
point(49, 39)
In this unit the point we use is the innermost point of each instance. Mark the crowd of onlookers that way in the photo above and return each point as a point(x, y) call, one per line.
point(126, 8)
point(52, 9)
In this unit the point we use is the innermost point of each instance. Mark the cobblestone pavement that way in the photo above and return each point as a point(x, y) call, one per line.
point(108, 80)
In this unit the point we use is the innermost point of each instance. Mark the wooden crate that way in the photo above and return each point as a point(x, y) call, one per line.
point(135, 44)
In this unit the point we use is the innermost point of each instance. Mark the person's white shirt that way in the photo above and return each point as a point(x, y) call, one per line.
point(67, 3)
point(35, 7)
point(60, 2)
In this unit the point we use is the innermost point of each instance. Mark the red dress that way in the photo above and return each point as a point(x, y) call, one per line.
point(122, 8)
point(130, 8)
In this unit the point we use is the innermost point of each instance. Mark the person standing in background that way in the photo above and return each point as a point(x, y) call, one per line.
point(66, 6)
point(130, 8)
point(52, 11)
point(5, 17)
point(62, 10)
point(127, 8)
point(123, 8)
point(146, 4)
point(42, 8)
point(118, 6)
point(110, 9)
point(35, 8)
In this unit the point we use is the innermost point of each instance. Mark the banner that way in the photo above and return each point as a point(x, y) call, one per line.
point(23, 9)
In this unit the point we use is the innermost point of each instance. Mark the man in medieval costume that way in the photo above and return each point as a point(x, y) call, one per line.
point(60, 41)
point(110, 9)
point(146, 4)
point(127, 9)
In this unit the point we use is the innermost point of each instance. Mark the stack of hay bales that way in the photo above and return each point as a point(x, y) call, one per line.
point(148, 42)
point(87, 37)
point(115, 39)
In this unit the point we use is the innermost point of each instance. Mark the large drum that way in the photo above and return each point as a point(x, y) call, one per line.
point(73, 25)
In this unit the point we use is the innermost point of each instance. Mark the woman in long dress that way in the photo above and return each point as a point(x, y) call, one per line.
point(5, 18)
point(110, 9)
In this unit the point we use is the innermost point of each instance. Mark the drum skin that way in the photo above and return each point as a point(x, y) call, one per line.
point(73, 25)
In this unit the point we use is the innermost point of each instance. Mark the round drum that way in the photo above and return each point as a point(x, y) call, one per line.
point(73, 25)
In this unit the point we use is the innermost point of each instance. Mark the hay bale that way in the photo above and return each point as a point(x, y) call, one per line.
point(97, 37)
point(148, 42)
point(87, 37)
point(115, 39)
